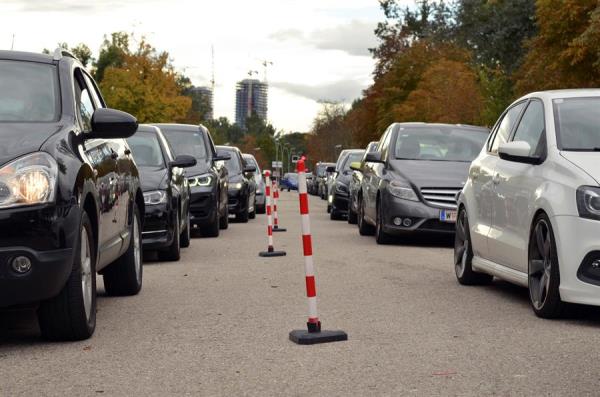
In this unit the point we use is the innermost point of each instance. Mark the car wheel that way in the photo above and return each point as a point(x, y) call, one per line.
point(352, 216)
point(186, 235)
point(173, 252)
point(243, 216)
point(261, 209)
point(252, 215)
point(124, 276)
point(224, 220)
point(334, 215)
point(328, 209)
point(363, 227)
point(544, 276)
point(213, 228)
point(463, 254)
point(381, 237)
point(71, 315)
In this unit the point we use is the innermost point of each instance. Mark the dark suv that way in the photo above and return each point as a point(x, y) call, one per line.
point(207, 180)
point(70, 198)
point(242, 188)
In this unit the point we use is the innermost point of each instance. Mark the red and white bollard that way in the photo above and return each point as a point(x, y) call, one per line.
point(313, 334)
point(270, 250)
point(276, 227)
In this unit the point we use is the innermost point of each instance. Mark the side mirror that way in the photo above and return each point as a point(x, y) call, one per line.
point(249, 168)
point(183, 161)
point(517, 151)
point(112, 124)
point(330, 168)
point(222, 157)
point(355, 166)
point(373, 157)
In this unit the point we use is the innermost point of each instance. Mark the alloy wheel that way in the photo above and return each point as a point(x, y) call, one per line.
point(540, 264)
point(86, 273)
point(461, 245)
point(137, 250)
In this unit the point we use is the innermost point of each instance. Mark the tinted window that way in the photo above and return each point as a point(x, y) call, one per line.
point(506, 126)
point(352, 157)
point(85, 106)
point(439, 143)
point(146, 150)
point(92, 88)
point(28, 92)
point(532, 127)
point(186, 142)
point(233, 165)
point(577, 123)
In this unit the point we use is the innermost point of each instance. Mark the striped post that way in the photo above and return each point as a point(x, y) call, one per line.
point(314, 334)
point(276, 227)
point(270, 250)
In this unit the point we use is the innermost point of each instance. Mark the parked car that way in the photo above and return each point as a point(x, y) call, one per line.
point(410, 183)
point(322, 175)
point(166, 192)
point(355, 184)
point(341, 185)
point(311, 183)
point(530, 211)
point(71, 204)
point(289, 181)
point(332, 172)
point(207, 180)
point(242, 189)
point(261, 206)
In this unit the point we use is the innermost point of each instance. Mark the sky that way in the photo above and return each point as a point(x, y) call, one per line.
point(319, 48)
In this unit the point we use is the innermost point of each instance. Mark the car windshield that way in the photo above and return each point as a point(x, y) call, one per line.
point(441, 143)
point(321, 170)
point(578, 123)
point(186, 143)
point(146, 150)
point(233, 164)
point(352, 157)
point(28, 92)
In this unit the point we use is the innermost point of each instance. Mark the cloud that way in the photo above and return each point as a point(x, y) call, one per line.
point(339, 91)
point(354, 38)
point(67, 5)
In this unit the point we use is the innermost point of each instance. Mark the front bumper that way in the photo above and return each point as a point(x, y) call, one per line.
point(340, 202)
point(575, 238)
point(236, 201)
point(203, 206)
point(158, 227)
point(423, 218)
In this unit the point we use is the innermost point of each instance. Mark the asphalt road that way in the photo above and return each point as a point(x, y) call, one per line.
point(217, 323)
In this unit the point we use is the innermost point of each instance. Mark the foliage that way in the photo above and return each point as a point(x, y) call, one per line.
point(328, 133)
point(112, 54)
point(81, 51)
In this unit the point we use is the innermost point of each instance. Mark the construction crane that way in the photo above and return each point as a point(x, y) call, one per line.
point(266, 63)
point(252, 73)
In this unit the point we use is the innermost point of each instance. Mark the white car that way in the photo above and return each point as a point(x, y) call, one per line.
point(530, 210)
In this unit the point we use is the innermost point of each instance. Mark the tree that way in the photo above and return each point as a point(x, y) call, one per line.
point(145, 85)
point(328, 133)
point(112, 54)
point(81, 51)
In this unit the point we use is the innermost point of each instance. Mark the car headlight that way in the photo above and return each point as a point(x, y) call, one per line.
point(29, 180)
point(402, 190)
point(155, 197)
point(202, 180)
point(236, 186)
point(588, 202)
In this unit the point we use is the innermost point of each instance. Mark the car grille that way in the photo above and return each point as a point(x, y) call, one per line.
point(444, 197)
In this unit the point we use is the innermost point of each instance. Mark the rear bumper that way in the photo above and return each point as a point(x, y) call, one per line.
point(423, 218)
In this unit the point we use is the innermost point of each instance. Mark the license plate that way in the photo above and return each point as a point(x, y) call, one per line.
point(448, 216)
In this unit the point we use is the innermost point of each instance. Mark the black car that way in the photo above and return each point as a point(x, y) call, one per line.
point(71, 203)
point(261, 199)
point(242, 189)
point(340, 191)
point(410, 183)
point(207, 179)
point(166, 192)
point(355, 184)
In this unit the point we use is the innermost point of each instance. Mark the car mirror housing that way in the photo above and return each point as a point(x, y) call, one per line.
point(355, 166)
point(221, 157)
point(373, 157)
point(330, 168)
point(183, 161)
point(517, 151)
point(250, 168)
point(112, 124)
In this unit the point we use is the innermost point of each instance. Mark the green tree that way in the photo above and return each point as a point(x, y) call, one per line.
point(112, 53)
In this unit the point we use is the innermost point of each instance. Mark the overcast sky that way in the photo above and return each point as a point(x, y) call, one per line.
point(319, 48)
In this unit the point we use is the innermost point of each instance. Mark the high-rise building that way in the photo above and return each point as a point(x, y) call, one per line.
point(201, 98)
point(251, 97)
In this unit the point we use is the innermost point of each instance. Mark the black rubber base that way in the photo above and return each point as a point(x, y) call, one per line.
point(303, 337)
point(280, 229)
point(267, 254)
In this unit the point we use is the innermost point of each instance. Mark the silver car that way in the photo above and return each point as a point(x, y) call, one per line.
point(260, 183)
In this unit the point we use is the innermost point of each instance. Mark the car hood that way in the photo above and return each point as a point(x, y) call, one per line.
point(201, 167)
point(344, 178)
point(153, 178)
point(424, 173)
point(587, 161)
point(233, 178)
point(18, 139)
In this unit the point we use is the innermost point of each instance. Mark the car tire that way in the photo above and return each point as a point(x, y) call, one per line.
point(71, 315)
point(213, 228)
point(364, 229)
point(543, 272)
point(463, 254)
point(352, 216)
point(381, 237)
point(252, 215)
point(328, 209)
point(243, 216)
point(224, 220)
point(186, 236)
point(173, 252)
point(124, 276)
point(261, 209)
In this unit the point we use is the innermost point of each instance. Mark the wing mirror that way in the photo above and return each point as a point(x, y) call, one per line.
point(517, 151)
point(249, 168)
point(330, 169)
point(112, 124)
point(355, 166)
point(222, 156)
point(373, 157)
point(183, 161)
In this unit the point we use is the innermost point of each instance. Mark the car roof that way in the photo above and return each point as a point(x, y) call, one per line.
point(180, 127)
point(465, 126)
point(147, 128)
point(228, 148)
point(569, 93)
point(27, 56)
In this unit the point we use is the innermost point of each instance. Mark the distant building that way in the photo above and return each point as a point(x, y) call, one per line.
point(251, 97)
point(201, 97)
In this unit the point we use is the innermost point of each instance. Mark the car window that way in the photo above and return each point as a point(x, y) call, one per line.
point(186, 142)
point(352, 157)
point(505, 127)
point(146, 150)
point(84, 104)
point(234, 164)
point(531, 127)
point(92, 90)
point(28, 92)
point(577, 121)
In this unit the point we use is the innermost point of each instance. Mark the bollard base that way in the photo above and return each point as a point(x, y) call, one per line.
point(279, 229)
point(303, 337)
point(267, 254)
